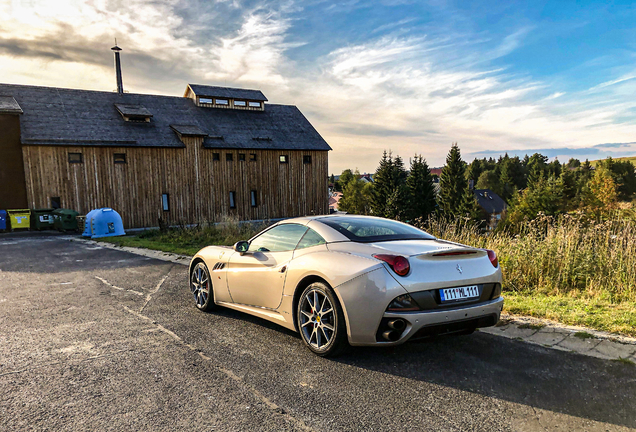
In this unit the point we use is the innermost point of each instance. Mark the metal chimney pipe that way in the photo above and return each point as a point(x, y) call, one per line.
point(120, 85)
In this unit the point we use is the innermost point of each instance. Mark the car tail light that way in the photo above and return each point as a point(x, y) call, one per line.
point(403, 303)
point(398, 263)
point(492, 256)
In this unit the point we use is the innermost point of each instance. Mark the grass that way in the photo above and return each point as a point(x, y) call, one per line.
point(624, 361)
point(568, 269)
point(188, 241)
point(593, 313)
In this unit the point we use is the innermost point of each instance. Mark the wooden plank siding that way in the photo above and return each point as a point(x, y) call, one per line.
point(198, 187)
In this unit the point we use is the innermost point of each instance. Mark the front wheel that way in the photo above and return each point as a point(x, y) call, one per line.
point(320, 321)
point(201, 287)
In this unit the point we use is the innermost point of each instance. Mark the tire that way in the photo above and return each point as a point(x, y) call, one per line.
point(322, 329)
point(201, 287)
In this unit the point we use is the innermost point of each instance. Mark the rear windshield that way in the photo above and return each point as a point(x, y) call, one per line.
point(370, 230)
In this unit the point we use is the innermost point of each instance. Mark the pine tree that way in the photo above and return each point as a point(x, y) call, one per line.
point(382, 185)
point(453, 184)
point(390, 192)
point(421, 190)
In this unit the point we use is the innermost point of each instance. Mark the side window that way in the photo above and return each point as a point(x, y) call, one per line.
point(281, 238)
point(311, 238)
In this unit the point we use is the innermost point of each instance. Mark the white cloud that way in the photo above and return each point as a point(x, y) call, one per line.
point(410, 94)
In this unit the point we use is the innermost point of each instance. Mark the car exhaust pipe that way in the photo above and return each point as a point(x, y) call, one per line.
point(397, 324)
point(391, 335)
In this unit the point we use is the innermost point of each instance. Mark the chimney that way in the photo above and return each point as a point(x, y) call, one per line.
point(120, 85)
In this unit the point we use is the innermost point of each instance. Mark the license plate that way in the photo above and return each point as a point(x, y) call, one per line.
point(459, 293)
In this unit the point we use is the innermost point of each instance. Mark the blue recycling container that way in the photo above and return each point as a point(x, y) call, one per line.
point(106, 222)
point(3, 220)
point(87, 225)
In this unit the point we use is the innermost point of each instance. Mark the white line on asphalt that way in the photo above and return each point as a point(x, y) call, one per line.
point(271, 405)
point(118, 288)
point(153, 292)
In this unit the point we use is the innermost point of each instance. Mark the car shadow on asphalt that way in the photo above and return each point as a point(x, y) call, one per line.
point(497, 367)
point(512, 370)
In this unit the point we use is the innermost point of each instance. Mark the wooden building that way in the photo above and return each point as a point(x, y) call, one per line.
point(216, 151)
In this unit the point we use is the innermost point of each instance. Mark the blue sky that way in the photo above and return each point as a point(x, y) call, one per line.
point(411, 77)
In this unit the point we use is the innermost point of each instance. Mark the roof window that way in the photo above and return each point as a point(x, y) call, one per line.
point(134, 113)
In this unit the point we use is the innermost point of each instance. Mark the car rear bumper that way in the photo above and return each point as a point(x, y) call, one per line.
point(426, 324)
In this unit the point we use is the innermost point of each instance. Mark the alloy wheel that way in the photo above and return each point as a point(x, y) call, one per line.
point(317, 319)
point(200, 285)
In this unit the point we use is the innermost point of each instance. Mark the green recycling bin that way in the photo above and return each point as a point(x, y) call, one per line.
point(42, 219)
point(65, 219)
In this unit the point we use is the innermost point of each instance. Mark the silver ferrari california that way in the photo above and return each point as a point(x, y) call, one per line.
point(352, 280)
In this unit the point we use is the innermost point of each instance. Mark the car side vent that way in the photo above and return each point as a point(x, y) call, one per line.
point(218, 266)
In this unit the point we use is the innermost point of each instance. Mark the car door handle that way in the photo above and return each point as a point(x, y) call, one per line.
point(283, 269)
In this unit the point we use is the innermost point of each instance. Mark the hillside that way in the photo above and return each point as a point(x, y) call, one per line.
point(632, 159)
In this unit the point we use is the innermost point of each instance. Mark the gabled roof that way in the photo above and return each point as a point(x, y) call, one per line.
point(56, 116)
point(227, 92)
point(8, 105)
point(489, 201)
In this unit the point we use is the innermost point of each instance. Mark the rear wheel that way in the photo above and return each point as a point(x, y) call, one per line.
point(201, 287)
point(320, 321)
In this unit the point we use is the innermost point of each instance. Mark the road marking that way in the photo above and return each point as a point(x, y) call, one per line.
point(153, 292)
point(300, 425)
point(118, 288)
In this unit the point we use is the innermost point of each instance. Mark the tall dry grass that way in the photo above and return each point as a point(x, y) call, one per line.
point(564, 255)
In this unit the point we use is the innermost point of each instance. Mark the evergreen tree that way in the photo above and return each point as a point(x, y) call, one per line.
point(389, 185)
point(453, 184)
point(421, 191)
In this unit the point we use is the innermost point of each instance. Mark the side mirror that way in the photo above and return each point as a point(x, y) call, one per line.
point(241, 246)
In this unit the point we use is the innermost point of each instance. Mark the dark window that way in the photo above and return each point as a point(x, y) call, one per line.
point(232, 199)
point(311, 238)
point(165, 202)
point(307, 159)
point(75, 158)
point(283, 158)
point(281, 238)
point(368, 230)
point(253, 198)
point(119, 158)
point(253, 157)
point(229, 157)
point(216, 156)
point(56, 202)
point(242, 157)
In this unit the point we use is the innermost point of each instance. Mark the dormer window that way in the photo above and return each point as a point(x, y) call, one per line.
point(134, 113)
point(226, 97)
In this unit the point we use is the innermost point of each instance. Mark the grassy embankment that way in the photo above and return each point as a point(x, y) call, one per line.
point(188, 241)
point(567, 270)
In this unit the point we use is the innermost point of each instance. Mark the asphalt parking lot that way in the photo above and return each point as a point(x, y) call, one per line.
point(99, 339)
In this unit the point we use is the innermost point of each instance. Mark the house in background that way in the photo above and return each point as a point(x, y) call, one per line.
point(493, 207)
point(215, 152)
point(334, 201)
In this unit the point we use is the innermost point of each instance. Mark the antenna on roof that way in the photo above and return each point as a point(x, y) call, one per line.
point(120, 84)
